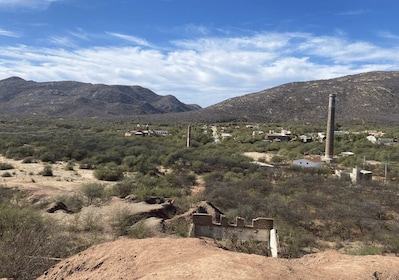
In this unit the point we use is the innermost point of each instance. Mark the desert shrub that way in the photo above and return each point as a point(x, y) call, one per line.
point(19, 152)
point(179, 227)
point(91, 221)
point(165, 186)
point(277, 159)
point(69, 166)
point(6, 194)
point(6, 174)
point(74, 202)
point(6, 166)
point(87, 223)
point(47, 171)
point(48, 157)
point(364, 251)
point(122, 189)
point(28, 243)
point(180, 179)
point(293, 240)
point(110, 155)
point(109, 173)
point(129, 162)
point(87, 164)
point(139, 230)
point(29, 160)
point(93, 191)
point(167, 192)
point(248, 247)
point(122, 220)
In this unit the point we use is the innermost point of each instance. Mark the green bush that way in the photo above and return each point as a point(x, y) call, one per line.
point(93, 191)
point(74, 202)
point(139, 230)
point(6, 174)
point(29, 160)
point(47, 171)
point(121, 221)
point(179, 227)
point(364, 251)
point(87, 164)
point(29, 244)
point(6, 166)
point(109, 173)
point(49, 157)
point(123, 188)
point(69, 166)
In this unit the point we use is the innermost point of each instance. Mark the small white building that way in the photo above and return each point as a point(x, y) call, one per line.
point(226, 135)
point(356, 175)
point(308, 162)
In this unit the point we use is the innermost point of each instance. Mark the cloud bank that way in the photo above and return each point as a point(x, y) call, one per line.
point(205, 70)
point(25, 3)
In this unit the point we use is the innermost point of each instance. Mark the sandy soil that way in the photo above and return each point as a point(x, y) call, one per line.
point(25, 176)
point(192, 258)
point(257, 156)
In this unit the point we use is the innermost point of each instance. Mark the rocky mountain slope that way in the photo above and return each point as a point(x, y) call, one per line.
point(192, 258)
point(367, 98)
point(78, 100)
point(364, 98)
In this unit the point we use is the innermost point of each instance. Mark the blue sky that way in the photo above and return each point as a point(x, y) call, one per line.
point(201, 51)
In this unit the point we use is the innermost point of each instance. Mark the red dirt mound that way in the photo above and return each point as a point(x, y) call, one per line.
point(192, 258)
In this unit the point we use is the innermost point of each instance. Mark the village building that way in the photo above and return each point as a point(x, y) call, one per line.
point(305, 138)
point(381, 140)
point(285, 135)
point(356, 175)
point(308, 162)
point(226, 135)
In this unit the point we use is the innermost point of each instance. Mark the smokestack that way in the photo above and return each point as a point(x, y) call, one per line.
point(329, 153)
point(188, 136)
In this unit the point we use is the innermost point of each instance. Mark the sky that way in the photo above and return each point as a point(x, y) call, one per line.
point(201, 51)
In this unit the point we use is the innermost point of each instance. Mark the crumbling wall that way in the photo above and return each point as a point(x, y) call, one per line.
point(259, 230)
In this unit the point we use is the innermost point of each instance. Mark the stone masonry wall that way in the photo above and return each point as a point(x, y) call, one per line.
point(259, 230)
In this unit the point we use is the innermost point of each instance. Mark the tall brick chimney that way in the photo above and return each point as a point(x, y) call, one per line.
point(329, 152)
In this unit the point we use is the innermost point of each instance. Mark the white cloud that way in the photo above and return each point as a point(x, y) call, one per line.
point(132, 39)
point(25, 3)
point(62, 41)
point(8, 33)
point(388, 35)
point(203, 71)
point(352, 13)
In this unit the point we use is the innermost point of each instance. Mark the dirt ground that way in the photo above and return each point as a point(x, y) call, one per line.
point(257, 156)
point(25, 176)
point(193, 258)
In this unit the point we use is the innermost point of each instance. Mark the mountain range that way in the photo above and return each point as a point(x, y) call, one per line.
point(366, 98)
point(82, 100)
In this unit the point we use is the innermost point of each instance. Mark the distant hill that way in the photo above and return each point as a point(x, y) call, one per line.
point(367, 98)
point(364, 98)
point(79, 100)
